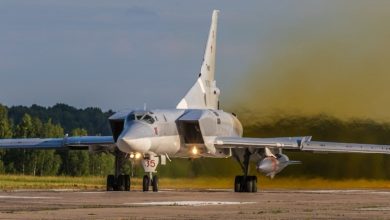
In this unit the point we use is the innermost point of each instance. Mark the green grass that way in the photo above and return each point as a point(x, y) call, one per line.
point(10, 182)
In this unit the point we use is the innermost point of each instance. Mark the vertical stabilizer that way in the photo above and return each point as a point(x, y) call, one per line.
point(204, 94)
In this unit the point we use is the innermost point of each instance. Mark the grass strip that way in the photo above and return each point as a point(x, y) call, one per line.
point(12, 182)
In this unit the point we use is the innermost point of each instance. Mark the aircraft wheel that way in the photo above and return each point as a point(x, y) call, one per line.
point(249, 184)
point(237, 183)
point(127, 182)
point(155, 183)
point(121, 183)
point(145, 183)
point(110, 182)
point(254, 183)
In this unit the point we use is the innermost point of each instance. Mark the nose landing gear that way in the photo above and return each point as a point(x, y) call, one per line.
point(150, 165)
point(147, 182)
point(121, 182)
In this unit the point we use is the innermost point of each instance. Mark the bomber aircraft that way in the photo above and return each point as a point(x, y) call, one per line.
point(197, 127)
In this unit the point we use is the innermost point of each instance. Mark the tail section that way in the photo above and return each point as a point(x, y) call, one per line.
point(204, 94)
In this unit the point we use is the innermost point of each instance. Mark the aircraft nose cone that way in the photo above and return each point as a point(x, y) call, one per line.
point(136, 137)
point(140, 145)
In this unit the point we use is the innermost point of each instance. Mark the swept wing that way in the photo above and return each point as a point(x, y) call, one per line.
point(300, 143)
point(57, 143)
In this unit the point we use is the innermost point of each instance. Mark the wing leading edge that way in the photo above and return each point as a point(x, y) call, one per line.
point(58, 143)
point(282, 142)
point(300, 143)
point(333, 147)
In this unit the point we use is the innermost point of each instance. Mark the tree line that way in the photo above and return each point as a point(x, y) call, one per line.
point(40, 122)
point(61, 119)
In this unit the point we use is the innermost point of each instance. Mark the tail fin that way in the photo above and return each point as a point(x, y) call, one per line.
point(204, 94)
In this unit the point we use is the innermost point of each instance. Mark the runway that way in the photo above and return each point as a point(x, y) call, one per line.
point(208, 204)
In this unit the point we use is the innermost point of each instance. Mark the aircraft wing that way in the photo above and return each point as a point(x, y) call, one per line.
point(317, 146)
point(299, 143)
point(82, 142)
point(243, 142)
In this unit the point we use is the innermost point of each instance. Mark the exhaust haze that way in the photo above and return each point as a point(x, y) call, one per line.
point(333, 60)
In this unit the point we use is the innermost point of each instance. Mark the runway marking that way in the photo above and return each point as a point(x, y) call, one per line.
point(28, 197)
point(347, 191)
point(375, 209)
point(45, 190)
point(332, 191)
point(381, 192)
point(187, 203)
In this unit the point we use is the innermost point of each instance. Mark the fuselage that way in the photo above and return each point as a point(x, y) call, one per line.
point(176, 132)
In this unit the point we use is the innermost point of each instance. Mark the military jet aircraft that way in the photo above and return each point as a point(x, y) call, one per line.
point(197, 127)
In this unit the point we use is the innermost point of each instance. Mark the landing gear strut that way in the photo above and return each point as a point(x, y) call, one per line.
point(245, 183)
point(147, 181)
point(119, 181)
point(150, 165)
point(155, 183)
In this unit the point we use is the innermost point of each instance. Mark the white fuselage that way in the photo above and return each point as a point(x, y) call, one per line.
point(177, 132)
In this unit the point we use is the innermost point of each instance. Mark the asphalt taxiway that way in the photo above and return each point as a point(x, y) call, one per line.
point(208, 204)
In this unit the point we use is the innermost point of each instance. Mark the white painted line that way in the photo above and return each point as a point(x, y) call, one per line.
point(187, 203)
point(44, 190)
point(347, 191)
point(375, 209)
point(336, 191)
point(92, 192)
point(381, 192)
point(28, 197)
point(65, 190)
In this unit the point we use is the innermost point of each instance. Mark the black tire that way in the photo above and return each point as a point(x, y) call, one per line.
point(127, 183)
point(248, 184)
point(238, 183)
point(155, 183)
point(145, 183)
point(121, 183)
point(110, 182)
point(254, 184)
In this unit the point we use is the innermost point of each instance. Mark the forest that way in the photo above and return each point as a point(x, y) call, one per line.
point(61, 119)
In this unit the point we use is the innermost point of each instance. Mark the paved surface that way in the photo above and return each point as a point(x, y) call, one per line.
point(213, 204)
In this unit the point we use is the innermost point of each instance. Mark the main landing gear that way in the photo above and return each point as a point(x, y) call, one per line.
point(245, 183)
point(118, 182)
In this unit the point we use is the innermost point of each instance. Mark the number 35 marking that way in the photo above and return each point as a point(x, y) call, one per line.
point(150, 163)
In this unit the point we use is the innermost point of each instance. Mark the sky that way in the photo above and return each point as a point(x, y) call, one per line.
point(114, 54)
point(272, 56)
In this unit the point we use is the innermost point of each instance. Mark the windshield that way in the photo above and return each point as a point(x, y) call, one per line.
point(140, 116)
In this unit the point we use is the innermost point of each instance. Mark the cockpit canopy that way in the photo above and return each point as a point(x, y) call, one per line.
point(145, 116)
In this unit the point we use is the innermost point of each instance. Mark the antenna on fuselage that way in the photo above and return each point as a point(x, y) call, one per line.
point(144, 106)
